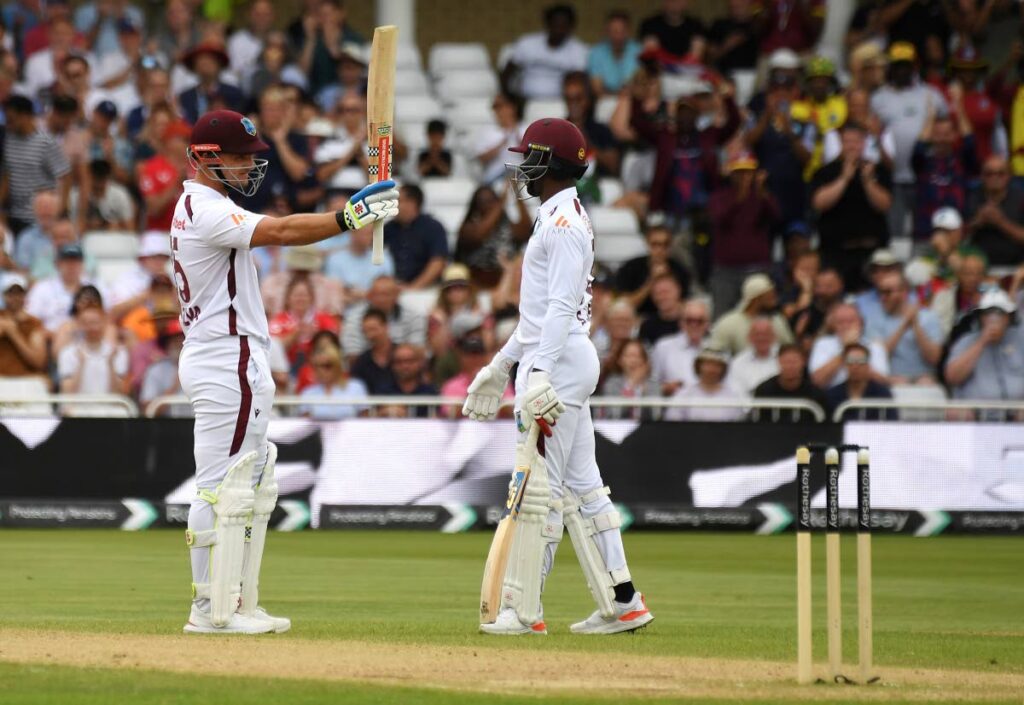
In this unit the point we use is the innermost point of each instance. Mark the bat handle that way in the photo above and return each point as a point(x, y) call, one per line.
point(378, 243)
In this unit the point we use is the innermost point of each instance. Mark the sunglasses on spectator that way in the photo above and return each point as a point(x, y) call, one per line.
point(856, 360)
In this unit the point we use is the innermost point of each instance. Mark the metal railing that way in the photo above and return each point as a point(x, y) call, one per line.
point(29, 403)
point(944, 410)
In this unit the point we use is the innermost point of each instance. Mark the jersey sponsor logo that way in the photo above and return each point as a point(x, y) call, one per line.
point(250, 128)
point(178, 224)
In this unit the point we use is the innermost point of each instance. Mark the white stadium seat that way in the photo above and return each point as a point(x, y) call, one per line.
point(24, 388)
point(417, 108)
point(543, 108)
point(746, 83)
point(110, 245)
point(109, 271)
point(451, 219)
point(613, 249)
point(414, 136)
point(605, 107)
point(474, 110)
point(408, 57)
point(902, 248)
point(451, 193)
point(469, 83)
point(411, 82)
point(458, 56)
point(611, 190)
point(608, 220)
point(918, 393)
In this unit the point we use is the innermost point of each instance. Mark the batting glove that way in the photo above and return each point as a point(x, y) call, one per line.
point(485, 392)
point(375, 202)
point(541, 402)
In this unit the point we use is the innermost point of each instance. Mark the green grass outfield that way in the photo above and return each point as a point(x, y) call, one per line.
point(940, 603)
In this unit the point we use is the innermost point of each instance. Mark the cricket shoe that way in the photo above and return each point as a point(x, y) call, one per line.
point(279, 624)
point(628, 617)
point(199, 623)
point(508, 624)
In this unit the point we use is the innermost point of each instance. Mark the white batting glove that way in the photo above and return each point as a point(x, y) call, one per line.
point(541, 403)
point(375, 202)
point(485, 392)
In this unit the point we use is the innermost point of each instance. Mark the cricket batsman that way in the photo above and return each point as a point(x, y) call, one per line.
point(224, 368)
point(558, 371)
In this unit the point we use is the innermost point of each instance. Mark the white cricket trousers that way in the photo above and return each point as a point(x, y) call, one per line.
point(570, 453)
point(229, 384)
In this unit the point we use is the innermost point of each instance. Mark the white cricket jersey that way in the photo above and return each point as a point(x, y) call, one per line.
point(214, 268)
point(555, 295)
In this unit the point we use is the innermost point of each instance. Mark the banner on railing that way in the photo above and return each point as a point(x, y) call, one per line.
point(452, 476)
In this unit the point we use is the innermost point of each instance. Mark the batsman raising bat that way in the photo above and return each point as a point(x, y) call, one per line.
point(557, 481)
point(224, 368)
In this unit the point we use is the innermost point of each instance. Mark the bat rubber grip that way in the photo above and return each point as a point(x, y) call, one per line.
point(378, 243)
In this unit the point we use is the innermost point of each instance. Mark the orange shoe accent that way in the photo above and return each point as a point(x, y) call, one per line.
point(539, 627)
point(630, 616)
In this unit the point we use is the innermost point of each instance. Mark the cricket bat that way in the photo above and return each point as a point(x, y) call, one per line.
point(380, 112)
point(501, 544)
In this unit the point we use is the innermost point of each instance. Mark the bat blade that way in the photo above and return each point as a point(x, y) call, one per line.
point(380, 112)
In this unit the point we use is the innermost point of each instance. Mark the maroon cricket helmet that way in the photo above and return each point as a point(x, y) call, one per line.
point(228, 132)
point(559, 137)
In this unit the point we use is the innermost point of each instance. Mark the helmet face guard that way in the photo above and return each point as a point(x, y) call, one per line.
point(245, 180)
point(529, 172)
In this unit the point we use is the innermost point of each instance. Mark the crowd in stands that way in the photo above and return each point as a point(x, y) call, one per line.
point(811, 223)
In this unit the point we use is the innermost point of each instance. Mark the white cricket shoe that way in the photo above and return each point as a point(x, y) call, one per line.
point(280, 624)
point(199, 623)
point(508, 624)
point(628, 617)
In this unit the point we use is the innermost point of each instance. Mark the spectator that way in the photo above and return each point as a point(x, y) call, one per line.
point(435, 159)
point(351, 78)
point(322, 32)
point(491, 143)
point(674, 32)
point(826, 106)
point(404, 325)
point(444, 342)
point(457, 296)
point(710, 367)
point(912, 335)
point(743, 214)
point(101, 20)
point(22, 337)
point(637, 276)
point(903, 106)
point(851, 196)
point(781, 139)
point(296, 325)
point(673, 356)
point(288, 157)
point(154, 90)
point(882, 262)
point(130, 289)
point(996, 215)
point(953, 303)
point(947, 247)
point(36, 241)
point(245, 45)
point(1004, 90)
point(620, 326)
point(473, 355)
point(41, 70)
point(92, 365)
point(353, 266)
point(632, 380)
point(968, 69)
point(827, 291)
point(308, 262)
point(687, 163)
point(69, 331)
point(109, 206)
point(161, 376)
point(603, 152)
point(44, 262)
point(488, 235)
point(613, 61)
point(540, 60)
point(986, 363)
point(161, 176)
point(62, 122)
point(140, 328)
point(332, 381)
point(150, 139)
point(794, 276)
point(32, 162)
point(416, 240)
point(105, 142)
point(844, 326)
point(867, 66)
point(758, 299)
point(601, 297)
point(276, 67)
point(912, 23)
point(878, 143)
point(792, 25)
point(758, 361)
point(791, 382)
point(75, 81)
point(49, 300)
point(341, 161)
point(118, 72)
point(207, 61)
point(667, 297)
point(38, 37)
point(408, 367)
point(860, 383)
point(178, 32)
point(943, 170)
point(373, 366)
point(732, 40)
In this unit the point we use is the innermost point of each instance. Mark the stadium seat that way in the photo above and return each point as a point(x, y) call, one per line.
point(411, 82)
point(611, 190)
point(920, 393)
point(902, 248)
point(543, 108)
point(468, 83)
point(613, 249)
point(466, 117)
point(746, 82)
point(413, 135)
point(408, 57)
point(110, 270)
point(451, 193)
point(417, 108)
point(608, 220)
point(458, 56)
point(605, 107)
point(24, 388)
point(110, 245)
point(451, 219)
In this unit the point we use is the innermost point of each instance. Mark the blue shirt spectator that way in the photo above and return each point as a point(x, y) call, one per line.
point(88, 19)
point(912, 335)
point(332, 382)
point(858, 384)
point(417, 241)
point(988, 363)
point(353, 265)
point(614, 61)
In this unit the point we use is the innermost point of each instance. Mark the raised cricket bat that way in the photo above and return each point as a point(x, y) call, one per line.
point(501, 544)
point(380, 113)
